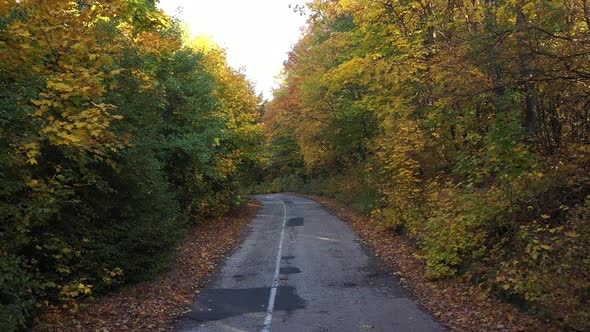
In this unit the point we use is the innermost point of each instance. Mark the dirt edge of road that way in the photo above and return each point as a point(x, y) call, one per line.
point(457, 304)
point(155, 305)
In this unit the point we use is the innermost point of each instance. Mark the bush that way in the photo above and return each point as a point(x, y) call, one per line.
point(16, 294)
point(548, 266)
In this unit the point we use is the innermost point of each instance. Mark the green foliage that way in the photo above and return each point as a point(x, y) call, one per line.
point(447, 119)
point(113, 137)
point(455, 232)
point(548, 266)
point(16, 303)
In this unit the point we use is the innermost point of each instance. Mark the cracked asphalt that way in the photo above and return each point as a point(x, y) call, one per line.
point(302, 269)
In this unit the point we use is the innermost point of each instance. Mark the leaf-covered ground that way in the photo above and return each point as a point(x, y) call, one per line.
point(154, 305)
point(456, 303)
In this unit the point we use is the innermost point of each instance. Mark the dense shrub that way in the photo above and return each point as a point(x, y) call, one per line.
point(16, 286)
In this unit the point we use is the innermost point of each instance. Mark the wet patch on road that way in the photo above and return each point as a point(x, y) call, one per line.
point(243, 276)
point(295, 222)
point(289, 270)
point(220, 303)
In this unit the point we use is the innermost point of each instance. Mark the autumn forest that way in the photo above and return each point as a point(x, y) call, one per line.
point(462, 126)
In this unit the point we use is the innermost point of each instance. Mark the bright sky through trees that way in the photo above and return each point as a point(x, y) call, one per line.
point(257, 33)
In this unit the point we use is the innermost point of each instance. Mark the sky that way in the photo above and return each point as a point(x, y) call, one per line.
point(257, 34)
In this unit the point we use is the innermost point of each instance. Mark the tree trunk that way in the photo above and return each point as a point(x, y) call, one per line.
point(495, 67)
point(531, 103)
point(587, 13)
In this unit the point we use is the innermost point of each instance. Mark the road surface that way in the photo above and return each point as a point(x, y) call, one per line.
point(302, 269)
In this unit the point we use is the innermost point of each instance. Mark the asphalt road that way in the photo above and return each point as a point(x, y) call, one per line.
point(302, 269)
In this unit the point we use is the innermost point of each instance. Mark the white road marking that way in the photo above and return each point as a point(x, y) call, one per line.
point(325, 238)
point(275, 281)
